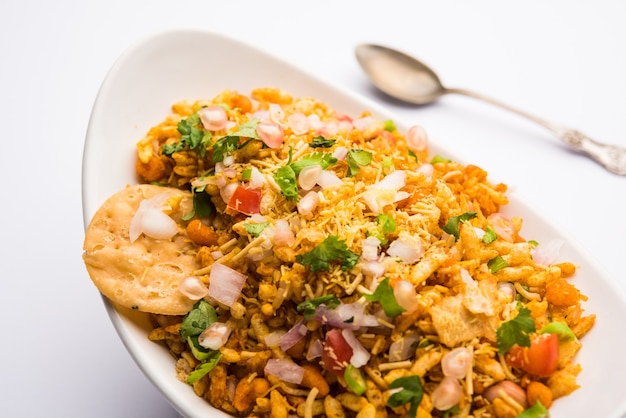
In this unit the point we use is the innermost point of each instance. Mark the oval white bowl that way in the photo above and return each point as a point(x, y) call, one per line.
point(170, 66)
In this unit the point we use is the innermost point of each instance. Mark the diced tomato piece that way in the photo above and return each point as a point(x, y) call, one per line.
point(540, 359)
point(336, 353)
point(245, 200)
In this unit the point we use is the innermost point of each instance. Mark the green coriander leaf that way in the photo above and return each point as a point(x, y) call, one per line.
point(439, 159)
point(247, 130)
point(357, 158)
point(204, 368)
point(324, 159)
point(198, 319)
point(285, 177)
point(223, 146)
point(332, 249)
point(387, 223)
point(496, 264)
point(202, 205)
point(255, 229)
point(413, 155)
point(533, 243)
point(452, 226)
point(535, 411)
point(411, 393)
point(384, 295)
point(321, 142)
point(307, 308)
point(169, 149)
point(516, 331)
point(199, 352)
point(490, 235)
point(559, 328)
point(390, 125)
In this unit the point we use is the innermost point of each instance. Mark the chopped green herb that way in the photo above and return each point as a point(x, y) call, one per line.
point(202, 205)
point(198, 319)
point(255, 229)
point(439, 159)
point(390, 125)
point(387, 162)
point(247, 130)
point(386, 225)
point(490, 235)
point(413, 155)
point(355, 379)
point(331, 249)
point(384, 295)
point(321, 142)
point(411, 393)
point(559, 328)
point(452, 226)
point(535, 411)
point(516, 331)
point(307, 308)
point(204, 368)
point(533, 243)
point(325, 159)
point(246, 174)
point(192, 136)
point(224, 146)
point(496, 264)
point(285, 177)
point(199, 352)
point(357, 158)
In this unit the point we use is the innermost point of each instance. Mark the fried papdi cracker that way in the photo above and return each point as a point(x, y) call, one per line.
point(145, 274)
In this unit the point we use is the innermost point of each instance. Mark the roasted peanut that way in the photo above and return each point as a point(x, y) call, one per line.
point(561, 293)
point(153, 170)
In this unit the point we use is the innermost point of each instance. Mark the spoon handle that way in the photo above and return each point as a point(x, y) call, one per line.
point(612, 157)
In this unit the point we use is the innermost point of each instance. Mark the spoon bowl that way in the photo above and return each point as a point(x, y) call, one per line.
point(412, 80)
point(405, 78)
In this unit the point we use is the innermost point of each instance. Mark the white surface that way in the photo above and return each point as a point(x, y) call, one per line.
point(563, 60)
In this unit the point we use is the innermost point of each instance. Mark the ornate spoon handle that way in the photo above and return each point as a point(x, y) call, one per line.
point(611, 157)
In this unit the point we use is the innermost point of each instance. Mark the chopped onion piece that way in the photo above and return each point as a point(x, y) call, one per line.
point(298, 123)
point(404, 348)
point(309, 176)
point(308, 203)
point(213, 118)
point(193, 288)
point(315, 350)
point(271, 134)
point(370, 246)
point(225, 284)
point(273, 338)
point(547, 253)
point(360, 356)
point(340, 153)
point(329, 179)
point(285, 370)
point(215, 336)
point(156, 224)
point(416, 138)
point(283, 236)
point(295, 334)
point(257, 179)
point(407, 248)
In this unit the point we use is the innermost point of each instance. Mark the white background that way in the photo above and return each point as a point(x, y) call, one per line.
point(562, 60)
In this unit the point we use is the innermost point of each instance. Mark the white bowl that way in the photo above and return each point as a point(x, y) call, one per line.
point(174, 65)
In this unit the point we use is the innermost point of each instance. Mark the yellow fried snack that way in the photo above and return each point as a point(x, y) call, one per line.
point(143, 274)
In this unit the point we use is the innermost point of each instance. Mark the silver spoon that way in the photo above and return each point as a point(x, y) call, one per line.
point(404, 77)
